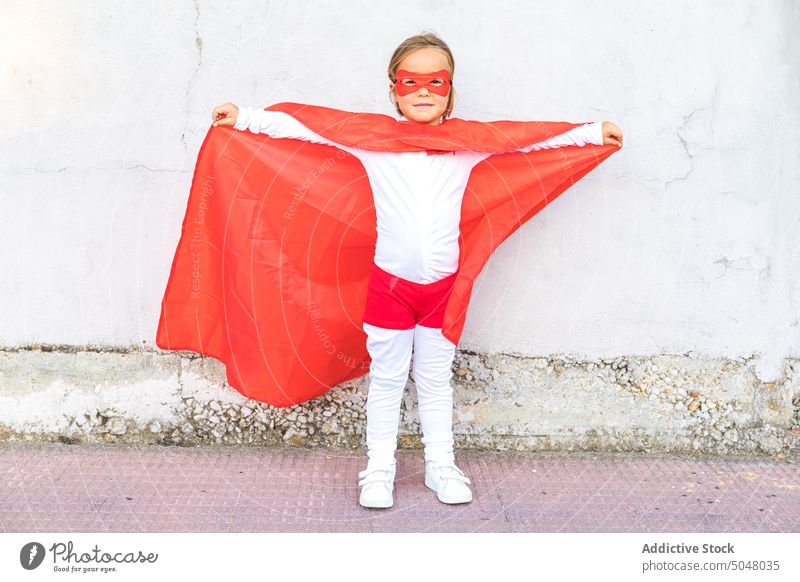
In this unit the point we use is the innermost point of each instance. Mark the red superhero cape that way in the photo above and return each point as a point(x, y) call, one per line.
point(270, 273)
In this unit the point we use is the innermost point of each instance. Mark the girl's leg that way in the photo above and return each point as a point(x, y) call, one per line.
point(390, 351)
point(433, 360)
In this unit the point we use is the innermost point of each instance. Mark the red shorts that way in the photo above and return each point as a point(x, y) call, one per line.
point(396, 303)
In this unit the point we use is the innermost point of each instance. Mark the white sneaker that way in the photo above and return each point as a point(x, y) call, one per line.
point(449, 482)
point(377, 485)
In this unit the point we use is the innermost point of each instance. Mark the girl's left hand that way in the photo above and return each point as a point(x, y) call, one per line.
point(611, 134)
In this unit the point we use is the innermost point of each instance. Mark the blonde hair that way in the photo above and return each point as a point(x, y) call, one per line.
point(409, 45)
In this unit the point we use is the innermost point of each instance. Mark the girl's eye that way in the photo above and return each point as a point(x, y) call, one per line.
point(437, 82)
point(408, 82)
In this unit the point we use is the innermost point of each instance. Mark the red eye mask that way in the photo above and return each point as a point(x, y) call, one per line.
point(408, 82)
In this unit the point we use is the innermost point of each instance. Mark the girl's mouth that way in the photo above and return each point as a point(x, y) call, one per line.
point(424, 105)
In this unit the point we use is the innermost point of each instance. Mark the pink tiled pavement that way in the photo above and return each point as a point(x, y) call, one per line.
point(80, 488)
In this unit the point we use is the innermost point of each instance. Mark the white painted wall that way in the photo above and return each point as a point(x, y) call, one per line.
point(686, 240)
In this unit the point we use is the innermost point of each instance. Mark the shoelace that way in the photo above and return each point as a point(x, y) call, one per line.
point(448, 471)
point(373, 475)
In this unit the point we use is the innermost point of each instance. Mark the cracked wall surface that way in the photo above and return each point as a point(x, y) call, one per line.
point(662, 404)
point(680, 252)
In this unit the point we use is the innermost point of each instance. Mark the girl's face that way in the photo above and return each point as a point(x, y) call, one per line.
point(423, 106)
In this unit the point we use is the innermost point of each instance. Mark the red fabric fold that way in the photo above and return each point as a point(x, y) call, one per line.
point(270, 272)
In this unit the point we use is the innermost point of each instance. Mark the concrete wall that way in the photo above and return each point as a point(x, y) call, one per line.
point(654, 306)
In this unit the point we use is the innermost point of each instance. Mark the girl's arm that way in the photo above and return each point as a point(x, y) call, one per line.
point(579, 136)
point(279, 124)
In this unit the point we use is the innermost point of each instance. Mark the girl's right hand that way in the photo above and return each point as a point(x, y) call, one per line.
point(225, 114)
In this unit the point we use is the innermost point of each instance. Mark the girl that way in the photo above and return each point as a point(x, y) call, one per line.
point(417, 199)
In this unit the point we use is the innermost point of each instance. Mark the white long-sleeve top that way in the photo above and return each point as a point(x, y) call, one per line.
point(417, 196)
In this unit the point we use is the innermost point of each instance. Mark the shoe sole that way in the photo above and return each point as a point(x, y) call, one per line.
point(375, 504)
point(450, 500)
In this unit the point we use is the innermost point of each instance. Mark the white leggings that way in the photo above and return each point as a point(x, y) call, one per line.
point(390, 351)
